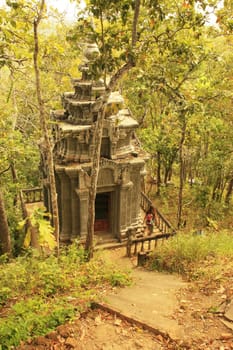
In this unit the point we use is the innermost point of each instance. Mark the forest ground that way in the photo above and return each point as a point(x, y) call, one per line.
point(198, 311)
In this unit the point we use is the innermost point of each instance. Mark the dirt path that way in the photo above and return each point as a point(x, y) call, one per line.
point(100, 330)
point(165, 302)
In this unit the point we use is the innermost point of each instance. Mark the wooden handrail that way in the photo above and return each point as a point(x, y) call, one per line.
point(161, 222)
point(148, 243)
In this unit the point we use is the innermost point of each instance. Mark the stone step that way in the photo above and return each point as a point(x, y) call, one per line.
point(106, 241)
point(110, 245)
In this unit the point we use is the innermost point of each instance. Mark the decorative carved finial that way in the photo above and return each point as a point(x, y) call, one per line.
point(91, 53)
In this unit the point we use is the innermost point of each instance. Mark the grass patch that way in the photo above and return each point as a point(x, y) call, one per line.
point(38, 294)
point(195, 256)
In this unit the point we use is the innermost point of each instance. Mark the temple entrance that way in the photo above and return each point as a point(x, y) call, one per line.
point(102, 212)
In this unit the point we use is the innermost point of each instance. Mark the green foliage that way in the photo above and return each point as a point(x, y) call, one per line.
point(185, 69)
point(201, 195)
point(112, 21)
point(32, 318)
point(19, 124)
point(4, 294)
point(72, 254)
point(44, 229)
point(44, 292)
point(185, 254)
point(118, 279)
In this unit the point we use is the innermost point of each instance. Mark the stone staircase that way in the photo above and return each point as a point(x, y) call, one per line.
point(143, 244)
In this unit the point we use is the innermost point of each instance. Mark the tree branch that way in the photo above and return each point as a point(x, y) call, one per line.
point(116, 77)
point(131, 61)
point(4, 171)
point(135, 22)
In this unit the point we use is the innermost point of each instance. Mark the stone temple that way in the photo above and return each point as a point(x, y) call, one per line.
point(117, 205)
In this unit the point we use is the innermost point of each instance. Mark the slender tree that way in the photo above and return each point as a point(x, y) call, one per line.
point(181, 170)
point(229, 191)
point(47, 149)
point(99, 130)
point(5, 241)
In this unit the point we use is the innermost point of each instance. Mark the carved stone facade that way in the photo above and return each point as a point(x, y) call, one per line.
point(121, 166)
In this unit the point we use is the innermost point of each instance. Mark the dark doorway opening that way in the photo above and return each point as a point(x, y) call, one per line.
point(102, 212)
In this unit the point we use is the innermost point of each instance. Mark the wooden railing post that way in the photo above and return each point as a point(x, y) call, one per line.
point(129, 243)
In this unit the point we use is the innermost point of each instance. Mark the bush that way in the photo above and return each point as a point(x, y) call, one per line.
point(183, 253)
point(32, 318)
point(50, 291)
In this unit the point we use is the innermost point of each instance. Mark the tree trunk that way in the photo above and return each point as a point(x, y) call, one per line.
point(97, 139)
point(5, 241)
point(158, 173)
point(15, 179)
point(44, 128)
point(168, 167)
point(216, 194)
point(229, 191)
point(181, 177)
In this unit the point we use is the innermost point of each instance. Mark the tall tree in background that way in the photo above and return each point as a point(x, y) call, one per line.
point(29, 16)
point(47, 147)
point(167, 82)
point(5, 241)
point(8, 136)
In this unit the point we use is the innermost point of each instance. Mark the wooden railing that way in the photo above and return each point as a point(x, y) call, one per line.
point(161, 222)
point(144, 244)
point(32, 195)
point(148, 243)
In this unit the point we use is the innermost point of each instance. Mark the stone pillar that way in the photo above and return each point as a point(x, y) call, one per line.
point(73, 175)
point(65, 205)
point(114, 215)
point(83, 211)
point(142, 172)
point(125, 192)
point(136, 194)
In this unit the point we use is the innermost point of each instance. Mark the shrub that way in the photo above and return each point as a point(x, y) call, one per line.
point(46, 291)
point(118, 279)
point(183, 253)
point(32, 318)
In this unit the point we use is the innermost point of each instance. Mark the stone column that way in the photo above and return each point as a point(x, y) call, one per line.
point(83, 211)
point(114, 215)
point(125, 192)
point(73, 175)
point(136, 194)
point(65, 205)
